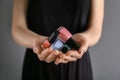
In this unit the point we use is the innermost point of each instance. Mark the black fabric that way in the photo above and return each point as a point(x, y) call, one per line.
point(44, 17)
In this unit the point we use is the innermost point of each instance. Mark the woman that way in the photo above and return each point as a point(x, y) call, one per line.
point(35, 20)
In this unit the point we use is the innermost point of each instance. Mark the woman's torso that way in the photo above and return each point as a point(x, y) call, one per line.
point(45, 16)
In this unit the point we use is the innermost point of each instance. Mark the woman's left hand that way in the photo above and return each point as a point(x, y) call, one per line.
point(73, 55)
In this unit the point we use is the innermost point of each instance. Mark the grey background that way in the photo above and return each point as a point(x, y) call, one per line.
point(105, 55)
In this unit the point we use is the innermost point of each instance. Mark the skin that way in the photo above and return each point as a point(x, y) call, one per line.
point(25, 37)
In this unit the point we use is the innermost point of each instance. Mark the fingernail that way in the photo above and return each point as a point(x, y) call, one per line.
point(56, 52)
point(36, 50)
point(56, 62)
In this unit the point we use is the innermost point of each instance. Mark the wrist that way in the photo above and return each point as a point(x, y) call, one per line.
point(92, 39)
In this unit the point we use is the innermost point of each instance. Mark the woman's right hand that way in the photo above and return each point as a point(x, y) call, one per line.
point(48, 55)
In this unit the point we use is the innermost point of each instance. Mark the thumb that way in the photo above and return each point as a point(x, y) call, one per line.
point(83, 48)
point(37, 47)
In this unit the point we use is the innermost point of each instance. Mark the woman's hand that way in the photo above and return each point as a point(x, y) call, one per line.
point(70, 56)
point(48, 55)
point(73, 55)
point(83, 41)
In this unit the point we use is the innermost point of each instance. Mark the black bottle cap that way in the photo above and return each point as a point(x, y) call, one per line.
point(72, 44)
point(64, 49)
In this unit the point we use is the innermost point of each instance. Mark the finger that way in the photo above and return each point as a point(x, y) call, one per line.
point(65, 59)
point(44, 54)
point(52, 56)
point(73, 53)
point(60, 55)
point(82, 40)
point(37, 45)
point(83, 46)
point(81, 54)
point(69, 58)
point(59, 60)
point(37, 49)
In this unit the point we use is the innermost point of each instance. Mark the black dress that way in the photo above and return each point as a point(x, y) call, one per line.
point(44, 17)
